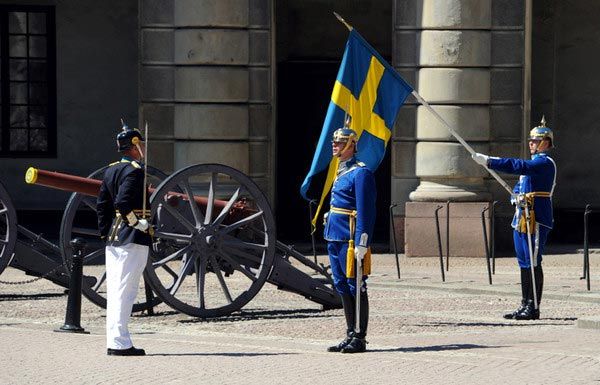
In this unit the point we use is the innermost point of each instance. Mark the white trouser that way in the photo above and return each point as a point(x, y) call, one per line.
point(124, 267)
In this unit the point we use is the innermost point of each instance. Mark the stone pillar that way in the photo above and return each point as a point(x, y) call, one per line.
point(465, 58)
point(206, 78)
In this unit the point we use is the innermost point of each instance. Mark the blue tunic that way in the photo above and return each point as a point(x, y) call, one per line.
point(537, 175)
point(353, 189)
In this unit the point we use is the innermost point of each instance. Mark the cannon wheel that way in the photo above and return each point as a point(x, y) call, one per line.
point(213, 256)
point(8, 228)
point(80, 220)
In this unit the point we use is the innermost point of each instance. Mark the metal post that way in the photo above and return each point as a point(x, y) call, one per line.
point(448, 236)
point(586, 251)
point(493, 235)
point(439, 239)
point(73, 315)
point(394, 237)
point(485, 244)
point(312, 232)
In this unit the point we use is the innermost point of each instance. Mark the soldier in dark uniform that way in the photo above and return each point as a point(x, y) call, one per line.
point(534, 189)
point(348, 232)
point(122, 225)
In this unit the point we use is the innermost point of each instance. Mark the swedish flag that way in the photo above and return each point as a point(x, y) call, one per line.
point(371, 92)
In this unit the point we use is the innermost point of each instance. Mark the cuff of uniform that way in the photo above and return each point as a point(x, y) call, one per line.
point(132, 218)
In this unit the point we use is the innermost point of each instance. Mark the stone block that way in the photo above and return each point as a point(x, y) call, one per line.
point(160, 118)
point(453, 85)
point(161, 156)
point(403, 159)
point(507, 85)
point(508, 13)
point(405, 50)
point(447, 160)
point(259, 13)
point(465, 235)
point(211, 13)
point(455, 14)
point(233, 154)
point(260, 47)
point(406, 123)
point(259, 158)
point(260, 85)
point(507, 48)
point(157, 83)
point(470, 122)
point(210, 121)
point(405, 14)
point(410, 76)
point(454, 48)
point(156, 12)
point(507, 122)
point(211, 46)
point(157, 46)
point(260, 116)
point(506, 149)
point(401, 189)
point(211, 84)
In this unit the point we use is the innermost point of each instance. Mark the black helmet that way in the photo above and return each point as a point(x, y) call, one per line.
point(128, 137)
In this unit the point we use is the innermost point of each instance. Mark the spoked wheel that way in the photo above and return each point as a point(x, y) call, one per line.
point(80, 220)
point(214, 240)
point(8, 228)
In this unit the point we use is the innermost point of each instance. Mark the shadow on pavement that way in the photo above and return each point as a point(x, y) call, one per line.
point(27, 297)
point(218, 354)
point(252, 315)
point(497, 324)
point(436, 348)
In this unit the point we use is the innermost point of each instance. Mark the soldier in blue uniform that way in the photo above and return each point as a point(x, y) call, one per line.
point(534, 188)
point(122, 225)
point(348, 231)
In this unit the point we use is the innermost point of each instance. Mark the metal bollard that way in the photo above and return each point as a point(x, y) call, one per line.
point(394, 237)
point(439, 239)
point(73, 315)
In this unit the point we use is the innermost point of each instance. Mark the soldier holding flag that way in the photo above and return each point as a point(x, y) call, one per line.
point(121, 220)
point(348, 232)
point(533, 220)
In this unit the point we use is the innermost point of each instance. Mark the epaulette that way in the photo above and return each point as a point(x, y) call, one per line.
point(135, 164)
point(360, 164)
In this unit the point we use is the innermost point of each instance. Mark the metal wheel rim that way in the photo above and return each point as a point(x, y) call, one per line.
point(8, 228)
point(68, 231)
point(195, 256)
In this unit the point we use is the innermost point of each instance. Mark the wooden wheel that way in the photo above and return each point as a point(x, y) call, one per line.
point(8, 228)
point(80, 220)
point(214, 241)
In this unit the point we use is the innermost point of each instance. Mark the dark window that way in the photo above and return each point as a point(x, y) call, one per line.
point(27, 81)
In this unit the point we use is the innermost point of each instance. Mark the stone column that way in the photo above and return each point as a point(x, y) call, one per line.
point(465, 58)
point(206, 77)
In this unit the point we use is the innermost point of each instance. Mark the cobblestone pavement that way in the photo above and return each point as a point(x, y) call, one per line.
point(421, 331)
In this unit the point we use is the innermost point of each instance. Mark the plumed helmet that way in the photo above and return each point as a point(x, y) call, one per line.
point(128, 137)
point(542, 132)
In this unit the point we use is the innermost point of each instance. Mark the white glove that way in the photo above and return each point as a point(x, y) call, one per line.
point(360, 252)
point(481, 159)
point(142, 225)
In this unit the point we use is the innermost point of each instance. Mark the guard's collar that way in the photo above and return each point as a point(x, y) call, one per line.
point(538, 154)
point(127, 159)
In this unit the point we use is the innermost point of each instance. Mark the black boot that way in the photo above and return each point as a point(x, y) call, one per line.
point(525, 287)
point(529, 313)
point(539, 282)
point(348, 304)
point(358, 344)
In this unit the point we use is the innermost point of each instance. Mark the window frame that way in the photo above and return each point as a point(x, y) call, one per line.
point(51, 151)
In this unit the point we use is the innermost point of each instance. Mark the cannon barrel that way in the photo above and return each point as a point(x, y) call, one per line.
point(91, 187)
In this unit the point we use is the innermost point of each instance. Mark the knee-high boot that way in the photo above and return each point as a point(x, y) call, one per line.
point(530, 312)
point(349, 310)
point(525, 288)
point(358, 344)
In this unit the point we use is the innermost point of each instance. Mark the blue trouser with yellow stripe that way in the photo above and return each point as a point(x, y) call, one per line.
point(522, 247)
point(337, 259)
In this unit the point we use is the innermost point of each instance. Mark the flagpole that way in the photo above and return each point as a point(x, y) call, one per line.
point(341, 19)
point(460, 139)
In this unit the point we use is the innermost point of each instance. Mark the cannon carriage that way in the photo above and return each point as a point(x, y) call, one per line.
point(214, 245)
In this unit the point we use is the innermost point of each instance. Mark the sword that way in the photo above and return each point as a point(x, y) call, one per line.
point(359, 275)
point(145, 192)
point(527, 217)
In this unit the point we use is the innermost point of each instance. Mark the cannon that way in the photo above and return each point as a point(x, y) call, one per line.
point(214, 245)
